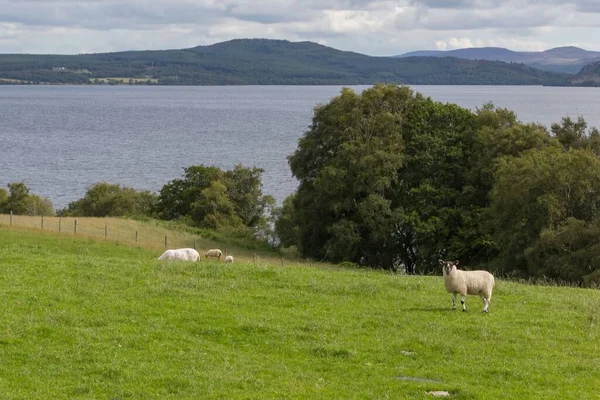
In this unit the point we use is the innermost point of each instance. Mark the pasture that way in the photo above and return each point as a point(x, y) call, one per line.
point(87, 318)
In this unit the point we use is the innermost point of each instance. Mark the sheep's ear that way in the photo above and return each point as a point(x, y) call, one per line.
point(456, 262)
point(441, 262)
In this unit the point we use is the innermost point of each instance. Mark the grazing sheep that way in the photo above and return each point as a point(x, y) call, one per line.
point(180, 255)
point(479, 283)
point(214, 253)
point(229, 259)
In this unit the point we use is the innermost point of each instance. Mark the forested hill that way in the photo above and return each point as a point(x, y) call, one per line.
point(588, 76)
point(264, 62)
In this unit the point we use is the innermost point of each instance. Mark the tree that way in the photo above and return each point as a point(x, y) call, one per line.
point(539, 191)
point(244, 189)
point(380, 176)
point(111, 200)
point(213, 198)
point(286, 226)
point(176, 197)
point(353, 149)
point(569, 252)
point(18, 198)
point(214, 209)
point(3, 201)
point(21, 202)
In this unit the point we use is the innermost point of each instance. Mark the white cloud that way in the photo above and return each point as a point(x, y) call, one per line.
point(378, 27)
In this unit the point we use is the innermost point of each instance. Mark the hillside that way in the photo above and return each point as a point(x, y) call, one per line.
point(91, 319)
point(560, 59)
point(588, 76)
point(263, 62)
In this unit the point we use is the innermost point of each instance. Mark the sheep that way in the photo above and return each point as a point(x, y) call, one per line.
point(214, 253)
point(467, 282)
point(229, 259)
point(180, 255)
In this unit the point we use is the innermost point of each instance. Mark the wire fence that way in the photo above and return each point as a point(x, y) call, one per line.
point(144, 234)
point(126, 231)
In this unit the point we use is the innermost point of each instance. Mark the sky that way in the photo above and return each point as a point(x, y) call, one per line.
point(373, 27)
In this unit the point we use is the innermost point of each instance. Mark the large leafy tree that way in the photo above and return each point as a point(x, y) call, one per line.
point(346, 163)
point(380, 177)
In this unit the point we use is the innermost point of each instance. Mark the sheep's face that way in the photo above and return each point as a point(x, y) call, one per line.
point(448, 266)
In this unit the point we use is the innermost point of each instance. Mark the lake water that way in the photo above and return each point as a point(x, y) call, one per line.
point(61, 139)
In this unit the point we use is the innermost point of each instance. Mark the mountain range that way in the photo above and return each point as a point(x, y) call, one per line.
point(269, 62)
point(559, 59)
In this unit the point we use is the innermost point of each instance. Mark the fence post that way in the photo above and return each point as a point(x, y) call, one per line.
point(75, 227)
point(254, 258)
point(195, 247)
point(42, 221)
point(165, 241)
point(10, 217)
point(136, 236)
point(59, 223)
point(225, 252)
point(282, 262)
point(105, 230)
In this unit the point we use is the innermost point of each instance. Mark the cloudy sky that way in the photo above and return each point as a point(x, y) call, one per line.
point(374, 27)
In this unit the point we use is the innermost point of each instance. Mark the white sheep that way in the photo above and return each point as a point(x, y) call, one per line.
point(479, 283)
point(214, 253)
point(180, 255)
point(229, 259)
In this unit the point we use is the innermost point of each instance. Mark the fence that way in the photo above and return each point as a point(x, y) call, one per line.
point(144, 234)
point(121, 230)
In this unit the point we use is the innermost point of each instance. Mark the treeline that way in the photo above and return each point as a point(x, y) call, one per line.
point(229, 203)
point(391, 179)
point(268, 62)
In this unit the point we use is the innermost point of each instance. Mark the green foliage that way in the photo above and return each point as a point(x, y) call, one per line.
point(210, 198)
point(3, 199)
point(265, 62)
point(569, 252)
point(541, 190)
point(111, 200)
point(176, 197)
point(286, 227)
point(389, 179)
point(380, 179)
point(214, 209)
point(19, 201)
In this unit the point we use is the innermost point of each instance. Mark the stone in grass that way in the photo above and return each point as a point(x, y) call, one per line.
point(438, 393)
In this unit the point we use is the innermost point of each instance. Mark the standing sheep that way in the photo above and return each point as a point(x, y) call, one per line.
point(213, 253)
point(479, 283)
point(229, 259)
point(180, 255)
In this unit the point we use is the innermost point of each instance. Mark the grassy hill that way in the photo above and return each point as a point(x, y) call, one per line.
point(263, 62)
point(88, 318)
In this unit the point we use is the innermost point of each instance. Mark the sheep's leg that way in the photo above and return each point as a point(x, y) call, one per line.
point(454, 301)
point(486, 304)
point(462, 301)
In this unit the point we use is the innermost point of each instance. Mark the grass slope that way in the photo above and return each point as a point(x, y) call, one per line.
point(149, 234)
point(85, 318)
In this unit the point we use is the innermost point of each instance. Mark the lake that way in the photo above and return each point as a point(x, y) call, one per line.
point(61, 139)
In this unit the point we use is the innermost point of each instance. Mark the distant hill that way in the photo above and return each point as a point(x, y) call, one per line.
point(263, 62)
point(560, 59)
point(588, 76)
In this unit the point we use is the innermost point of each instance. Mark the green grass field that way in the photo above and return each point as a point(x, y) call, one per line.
point(85, 318)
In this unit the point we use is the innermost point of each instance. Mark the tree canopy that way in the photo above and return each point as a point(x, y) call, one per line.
point(390, 179)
